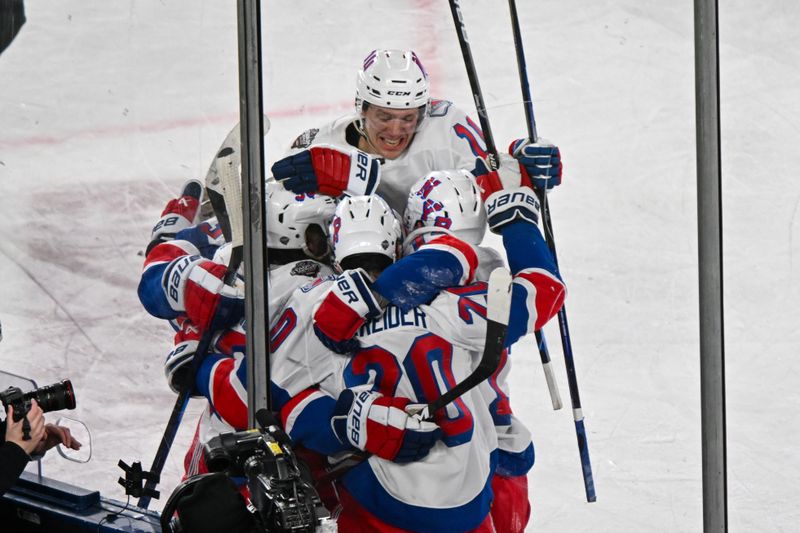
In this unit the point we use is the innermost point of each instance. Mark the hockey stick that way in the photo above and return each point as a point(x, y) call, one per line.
point(483, 117)
point(552, 385)
point(530, 119)
point(230, 185)
point(213, 192)
point(572, 380)
point(477, 95)
point(498, 308)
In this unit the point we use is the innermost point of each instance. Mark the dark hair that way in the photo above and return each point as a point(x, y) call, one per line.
point(280, 256)
point(371, 262)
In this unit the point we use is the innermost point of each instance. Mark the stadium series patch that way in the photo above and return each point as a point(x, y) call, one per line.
point(306, 268)
point(305, 139)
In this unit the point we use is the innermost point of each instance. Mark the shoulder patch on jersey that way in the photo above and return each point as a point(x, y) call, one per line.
point(439, 108)
point(306, 268)
point(305, 139)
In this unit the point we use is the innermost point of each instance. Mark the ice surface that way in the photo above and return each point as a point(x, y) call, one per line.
point(107, 107)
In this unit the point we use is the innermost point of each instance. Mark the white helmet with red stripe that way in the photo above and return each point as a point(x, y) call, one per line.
point(364, 225)
point(395, 79)
point(448, 201)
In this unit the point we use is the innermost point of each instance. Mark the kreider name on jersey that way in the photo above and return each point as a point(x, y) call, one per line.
point(393, 317)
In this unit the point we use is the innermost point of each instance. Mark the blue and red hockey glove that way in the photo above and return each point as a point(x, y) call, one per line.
point(329, 170)
point(540, 162)
point(506, 194)
point(196, 286)
point(380, 425)
point(347, 305)
point(179, 213)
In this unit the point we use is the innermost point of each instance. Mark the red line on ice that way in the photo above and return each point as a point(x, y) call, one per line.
point(153, 127)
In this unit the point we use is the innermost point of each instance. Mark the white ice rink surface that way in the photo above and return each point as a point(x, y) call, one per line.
point(106, 108)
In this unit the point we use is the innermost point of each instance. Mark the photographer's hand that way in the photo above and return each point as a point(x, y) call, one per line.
point(14, 431)
point(55, 435)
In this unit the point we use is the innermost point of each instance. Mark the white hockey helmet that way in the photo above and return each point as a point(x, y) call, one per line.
point(365, 225)
point(289, 215)
point(446, 200)
point(395, 79)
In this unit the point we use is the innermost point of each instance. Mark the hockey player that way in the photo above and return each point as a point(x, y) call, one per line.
point(418, 354)
point(306, 374)
point(397, 134)
point(449, 202)
point(296, 245)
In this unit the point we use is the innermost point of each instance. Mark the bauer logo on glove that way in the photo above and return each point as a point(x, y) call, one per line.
point(329, 170)
point(506, 206)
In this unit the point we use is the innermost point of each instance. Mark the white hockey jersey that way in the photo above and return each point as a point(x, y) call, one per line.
point(446, 139)
point(222, 376)
point(419, 354)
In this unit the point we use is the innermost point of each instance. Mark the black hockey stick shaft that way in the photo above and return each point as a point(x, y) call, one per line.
point(498, 307)
point(472, 74)
point(572, 380)
point(182, 400)
point(492, 354)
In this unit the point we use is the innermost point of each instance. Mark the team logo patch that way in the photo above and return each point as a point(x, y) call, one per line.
point(305, 139)
point(306, 268)
point(439, 108)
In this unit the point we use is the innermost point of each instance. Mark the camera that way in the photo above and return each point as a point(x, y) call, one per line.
point(50, 398)
point(282, 495)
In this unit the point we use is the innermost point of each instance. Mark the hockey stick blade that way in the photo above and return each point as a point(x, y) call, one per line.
point(231, 187)
point(231, 140)
point(498, 306)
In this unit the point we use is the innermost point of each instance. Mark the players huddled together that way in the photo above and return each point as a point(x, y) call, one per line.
point(377, 294)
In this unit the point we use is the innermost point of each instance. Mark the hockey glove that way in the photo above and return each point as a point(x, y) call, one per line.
point(206, 237)
point(178, 214)
point(178, 367)
point(507, 176)
point(540, 162)
point(348, 304)
point(380, 425)
point(329, 170)
point(509, 205)
point(195, 286)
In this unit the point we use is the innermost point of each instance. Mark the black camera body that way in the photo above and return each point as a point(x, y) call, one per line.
point(280, 490)
point(50, 398)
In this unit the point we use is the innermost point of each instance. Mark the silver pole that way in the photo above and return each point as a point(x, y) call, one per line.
point(251, 111)
point(709, 219)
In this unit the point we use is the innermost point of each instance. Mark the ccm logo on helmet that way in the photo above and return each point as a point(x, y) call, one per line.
point(398, 93)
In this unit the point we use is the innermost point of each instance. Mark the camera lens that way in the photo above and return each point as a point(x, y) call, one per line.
point(54, 397)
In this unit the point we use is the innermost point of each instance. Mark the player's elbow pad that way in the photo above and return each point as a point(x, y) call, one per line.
point(151, 293)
